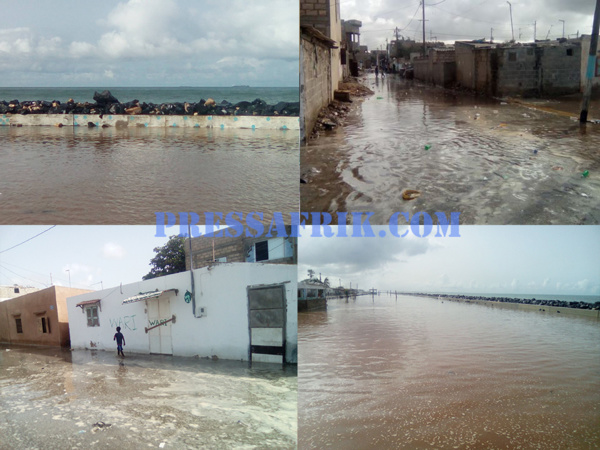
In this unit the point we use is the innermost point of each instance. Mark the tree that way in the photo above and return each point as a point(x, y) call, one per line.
point(311, 274)
point(169, 259)
point(326, 281)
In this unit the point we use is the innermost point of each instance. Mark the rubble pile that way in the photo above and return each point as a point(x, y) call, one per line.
point(334, 114)
point(106, 103)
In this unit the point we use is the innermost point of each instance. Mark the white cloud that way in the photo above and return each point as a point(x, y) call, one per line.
point(110, 250)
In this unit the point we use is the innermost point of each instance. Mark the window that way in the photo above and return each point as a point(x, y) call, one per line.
point(19, 325)
point(17, 290)
point(44, 330)
point(270, 250)
point(261, 251)
point(569, 52)
point(48, 323)
point(512, 56)
point(92, 316)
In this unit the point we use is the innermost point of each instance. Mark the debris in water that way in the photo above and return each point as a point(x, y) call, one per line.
point(427, 147)
point(410, 194)
point(585, 173)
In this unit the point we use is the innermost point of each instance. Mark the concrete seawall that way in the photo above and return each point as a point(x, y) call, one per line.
point(154, 121)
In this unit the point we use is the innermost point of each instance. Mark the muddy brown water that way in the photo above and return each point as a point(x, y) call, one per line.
point(421, 373)
point(494, 163)
point(52, 398)
point(110, 176)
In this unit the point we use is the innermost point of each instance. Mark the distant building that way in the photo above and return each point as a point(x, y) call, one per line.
point(37, 318)
point(351, 46)
point(530, 70)
point(234, 311)
point(15, 290)
point(208, 250)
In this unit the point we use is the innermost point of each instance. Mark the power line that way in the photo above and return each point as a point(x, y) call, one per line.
point(14, 246)
point(21, 276)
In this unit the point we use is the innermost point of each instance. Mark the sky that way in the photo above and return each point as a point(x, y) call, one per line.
point(542, 260)
point(95, 257)
point(452, 20)
point(108, 43)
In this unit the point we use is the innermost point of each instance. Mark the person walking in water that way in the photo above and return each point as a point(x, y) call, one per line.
point(120, 341)
point(376, 71)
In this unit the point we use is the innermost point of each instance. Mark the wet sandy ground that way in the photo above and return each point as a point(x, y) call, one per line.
point(418, 373)
point(51, 398)
point(495, 162)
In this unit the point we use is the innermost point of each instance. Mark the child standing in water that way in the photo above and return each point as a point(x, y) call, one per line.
point(120, 341)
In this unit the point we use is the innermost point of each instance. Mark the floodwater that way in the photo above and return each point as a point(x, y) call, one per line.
point(53, 398)
point(420, 373)
point(111, 176)
point(494, 163)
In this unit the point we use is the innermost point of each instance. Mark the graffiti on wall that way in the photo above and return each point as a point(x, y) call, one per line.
point(162, 322)
point(125, 322)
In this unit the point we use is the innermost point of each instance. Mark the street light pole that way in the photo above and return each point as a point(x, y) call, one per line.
point(560, 20)
point(511, 22)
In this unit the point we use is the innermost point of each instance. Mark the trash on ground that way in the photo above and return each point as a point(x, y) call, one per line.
point(161, 445)
point(535, 152)
point(584, 195)
point(557, 168)
point(379, 98)
point(427, 147)
point(410, 194)
point(585, 173)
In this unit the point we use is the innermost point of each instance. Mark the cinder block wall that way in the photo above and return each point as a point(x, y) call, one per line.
point(316, 91)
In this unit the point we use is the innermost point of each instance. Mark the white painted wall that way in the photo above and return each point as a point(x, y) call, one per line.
point(221, 290)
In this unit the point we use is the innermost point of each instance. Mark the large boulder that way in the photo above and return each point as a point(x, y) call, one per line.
point(104, 98)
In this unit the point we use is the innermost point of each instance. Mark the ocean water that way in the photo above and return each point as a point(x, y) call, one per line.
point(271, 95)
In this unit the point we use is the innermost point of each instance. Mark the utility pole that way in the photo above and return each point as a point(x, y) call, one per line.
point(69, 276)
point(50, 279)
point(548, 34)
point(560, 20)
point(491, 35)
point(519, 34)
point(511, 22)
point(591, 66)
point(424, 45)
point(534, 30)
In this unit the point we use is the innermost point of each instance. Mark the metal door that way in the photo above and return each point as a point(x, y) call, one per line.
point(267, 319)
point(159, 310)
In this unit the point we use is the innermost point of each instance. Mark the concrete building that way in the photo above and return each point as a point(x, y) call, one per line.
point(15, 290)
point(351, 46)
point(208, 250)
point(320, 58)
point(37, 318)
point(235, 311)
point(529, 70)
point(438, 68)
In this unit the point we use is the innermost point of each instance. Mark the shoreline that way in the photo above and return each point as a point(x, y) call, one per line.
point(546, 306)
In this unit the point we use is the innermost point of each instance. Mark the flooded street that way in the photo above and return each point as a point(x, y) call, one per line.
point(419, 373)
point(494, 162)
point(112, 176)
point(55, 398)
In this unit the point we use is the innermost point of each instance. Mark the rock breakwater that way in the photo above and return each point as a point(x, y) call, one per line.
point(106, 103)
point(524, 301)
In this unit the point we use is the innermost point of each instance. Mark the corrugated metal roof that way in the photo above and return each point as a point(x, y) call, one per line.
point(147, 296)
